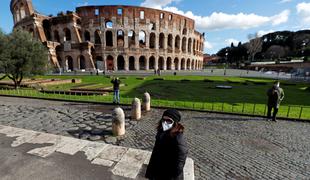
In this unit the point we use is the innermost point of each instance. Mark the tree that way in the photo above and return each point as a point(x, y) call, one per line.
point(22, 56)
point(4, 55)
point(254, 46)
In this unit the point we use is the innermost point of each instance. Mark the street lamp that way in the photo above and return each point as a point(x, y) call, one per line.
point(303, 45)
point(303, 48)
point(226, 57)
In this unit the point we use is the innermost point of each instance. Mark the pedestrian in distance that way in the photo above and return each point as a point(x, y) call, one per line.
point(116, 83)
point(275, 97)
point(158, 72)
point(170, 150)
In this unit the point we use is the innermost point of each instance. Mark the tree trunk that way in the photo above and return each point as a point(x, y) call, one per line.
point(253, 58)
point(15, 84)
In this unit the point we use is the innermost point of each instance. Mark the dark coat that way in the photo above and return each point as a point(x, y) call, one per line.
point(275, 96)
point(116, 84)
point(168, 157)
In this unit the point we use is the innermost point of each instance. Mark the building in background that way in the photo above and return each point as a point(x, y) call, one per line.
point(116, 38)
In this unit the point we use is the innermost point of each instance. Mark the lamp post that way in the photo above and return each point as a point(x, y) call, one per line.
point(303, 45)
point(226, 57)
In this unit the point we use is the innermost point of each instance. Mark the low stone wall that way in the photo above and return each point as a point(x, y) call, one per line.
point(43, 82)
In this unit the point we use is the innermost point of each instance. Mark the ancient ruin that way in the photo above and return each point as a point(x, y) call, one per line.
point(115, 38)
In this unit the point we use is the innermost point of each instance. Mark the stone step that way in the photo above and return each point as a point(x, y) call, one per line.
point(123, 161)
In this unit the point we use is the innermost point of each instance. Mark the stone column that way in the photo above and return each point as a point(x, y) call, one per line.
point(165, 64)
point(115, 63)
point(156, 41)
point(126, 63)
point(136, 109)
point(146, 102)
point(137, 66)
point(118, 122)
point(156, 63)
point(165, 42)
point(147, 40)
point(173, 44)
point(126, 43)
point(185, 65)
point(103, 38)
point(147, 63)
point(114, 38)
point(137, 45)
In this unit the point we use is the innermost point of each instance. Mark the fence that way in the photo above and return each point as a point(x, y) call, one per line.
point(293, 112)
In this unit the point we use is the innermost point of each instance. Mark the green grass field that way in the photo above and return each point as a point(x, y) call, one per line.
point(248, 95)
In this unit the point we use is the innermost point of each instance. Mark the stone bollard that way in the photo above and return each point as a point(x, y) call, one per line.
point(146, 102)
point(118, 122)
point(136, 109)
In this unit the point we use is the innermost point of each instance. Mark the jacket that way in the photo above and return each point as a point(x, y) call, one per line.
point(116, 84)
point(168, 157)
point(275, 96)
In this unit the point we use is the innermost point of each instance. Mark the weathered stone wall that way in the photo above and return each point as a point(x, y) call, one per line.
point(117, 38)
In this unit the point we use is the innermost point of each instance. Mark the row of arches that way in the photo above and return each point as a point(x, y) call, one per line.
point(161, 41)
point(69, 64)
point(119, 63)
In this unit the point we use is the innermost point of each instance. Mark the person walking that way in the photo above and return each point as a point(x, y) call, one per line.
point(275, 96)
point(116, 82)
point(170, 150)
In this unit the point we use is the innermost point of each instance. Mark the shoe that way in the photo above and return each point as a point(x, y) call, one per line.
point(274, 120)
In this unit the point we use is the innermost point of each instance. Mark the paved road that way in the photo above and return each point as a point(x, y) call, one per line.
point(222, 146)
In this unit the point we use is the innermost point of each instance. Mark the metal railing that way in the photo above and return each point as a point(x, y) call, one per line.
point(253, 109)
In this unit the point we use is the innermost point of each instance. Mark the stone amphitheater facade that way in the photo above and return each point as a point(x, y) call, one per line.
point(116, 38)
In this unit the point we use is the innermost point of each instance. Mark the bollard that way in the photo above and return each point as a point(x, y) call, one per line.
point(118, 122)
point(136, 109)
point(146, 102)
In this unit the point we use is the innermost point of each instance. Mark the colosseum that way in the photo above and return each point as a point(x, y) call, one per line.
point(114, 38)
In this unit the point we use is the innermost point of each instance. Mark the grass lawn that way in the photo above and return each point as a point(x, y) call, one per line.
point(248, 95)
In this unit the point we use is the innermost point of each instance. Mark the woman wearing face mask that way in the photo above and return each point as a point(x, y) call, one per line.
point(170, 150)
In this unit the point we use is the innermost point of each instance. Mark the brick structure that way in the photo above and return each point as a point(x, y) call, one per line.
point(119, 38)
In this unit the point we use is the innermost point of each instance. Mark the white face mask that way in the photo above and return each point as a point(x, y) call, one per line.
point(166, 126)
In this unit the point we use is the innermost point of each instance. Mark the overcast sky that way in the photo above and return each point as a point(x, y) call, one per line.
point(223, 21)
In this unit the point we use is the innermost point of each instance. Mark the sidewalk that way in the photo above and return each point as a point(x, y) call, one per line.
point(31, 155)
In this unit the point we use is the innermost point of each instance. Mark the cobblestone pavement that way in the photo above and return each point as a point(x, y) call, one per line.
point(222, 146)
